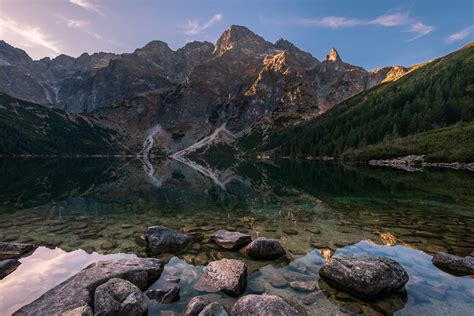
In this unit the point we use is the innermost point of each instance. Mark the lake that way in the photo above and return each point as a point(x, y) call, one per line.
point(82, 210)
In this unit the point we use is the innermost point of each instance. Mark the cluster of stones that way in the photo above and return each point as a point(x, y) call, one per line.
point(115, 287)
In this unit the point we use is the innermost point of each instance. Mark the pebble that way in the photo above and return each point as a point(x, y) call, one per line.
point(107, 245)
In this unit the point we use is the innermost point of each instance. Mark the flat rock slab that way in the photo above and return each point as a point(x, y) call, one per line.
point(80, 288)
point(230, 240)
point(454, 264)
point(364, 276)
point(162, 239)
point(119, 297)
point(256, 305)
point(265, 249)
point(227, 275)
point(7, 266)
point(14, 250)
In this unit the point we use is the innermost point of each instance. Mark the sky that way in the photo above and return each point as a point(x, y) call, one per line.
point(367, 33)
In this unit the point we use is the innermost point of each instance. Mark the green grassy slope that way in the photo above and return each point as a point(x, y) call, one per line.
point(453, 143)
point(28, 128)
point(437, 95)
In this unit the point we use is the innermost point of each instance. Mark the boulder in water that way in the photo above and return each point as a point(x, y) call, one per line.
point(364, 276)
point(454, 264)
point(162, 239)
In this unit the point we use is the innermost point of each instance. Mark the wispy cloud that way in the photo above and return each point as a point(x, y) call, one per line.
point(334, 22)
point(77, 24)
point(84, 26)
point(87, 5)
point(391, 19)
point(420, 30)
point(194, 27)
point(461, 35)
point(30, 36)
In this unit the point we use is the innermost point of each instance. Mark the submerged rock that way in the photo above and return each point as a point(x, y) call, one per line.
point(14, 250)
point(303, 286)
point(8, 266)
point(227, 275)
point(167, 296)
point(454, 264)
point(162, 239)
point(230, 240)
point(265, 249)
point(254, 305)
point(119, 297)
point(364, 276)
point(80, 288)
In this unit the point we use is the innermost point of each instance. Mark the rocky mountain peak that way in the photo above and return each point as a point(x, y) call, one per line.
point(154, 47)
point(10, 53)
point(241, 39)
point(333, 56)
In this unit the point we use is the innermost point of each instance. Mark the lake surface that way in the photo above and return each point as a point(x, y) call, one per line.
point(82, 210)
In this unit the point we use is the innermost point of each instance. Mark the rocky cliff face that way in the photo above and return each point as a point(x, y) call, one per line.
point(192, 90)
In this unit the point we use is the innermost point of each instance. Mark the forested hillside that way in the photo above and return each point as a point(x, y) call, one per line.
point(28, 128)
point(436, 95)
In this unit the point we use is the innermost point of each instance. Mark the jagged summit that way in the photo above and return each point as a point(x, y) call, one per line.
point(240, 38)
point(333, 56)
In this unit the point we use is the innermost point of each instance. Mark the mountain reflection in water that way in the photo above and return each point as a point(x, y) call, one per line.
point(103, 206)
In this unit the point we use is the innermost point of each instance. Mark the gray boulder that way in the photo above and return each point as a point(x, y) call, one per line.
point(230, 240)
point(8, 266)
point(167, 296)
point(119, 297)
point(256, 305)
point(162, 239)
point(80, 288)
point(14, 250)
point(265, 249)
point(454, 264)
point(213, 309)
point(227, 275)
point(364, 276)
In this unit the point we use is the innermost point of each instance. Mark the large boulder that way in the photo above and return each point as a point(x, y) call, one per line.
point(80, 288)
point(364, 276)
point(8, 266)
point(227, 275)
point(162, 239)
point(230, 240)
point(265, 249)
point(454, 264)
point(256, 305)
point(119, 297)
point(14, 250)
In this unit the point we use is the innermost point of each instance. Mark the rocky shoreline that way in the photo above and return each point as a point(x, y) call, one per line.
point(417, 163)
point(123, 286)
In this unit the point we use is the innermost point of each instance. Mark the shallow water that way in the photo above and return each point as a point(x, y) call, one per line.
point(82, 209)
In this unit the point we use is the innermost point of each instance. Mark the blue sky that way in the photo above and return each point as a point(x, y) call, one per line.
point(368, 33)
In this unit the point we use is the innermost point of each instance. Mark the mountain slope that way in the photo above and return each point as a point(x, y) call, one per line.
point(191, 91)
point(32, 129)
point(435, 95)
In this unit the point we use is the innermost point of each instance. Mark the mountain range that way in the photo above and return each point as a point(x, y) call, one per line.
point(175, 99)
